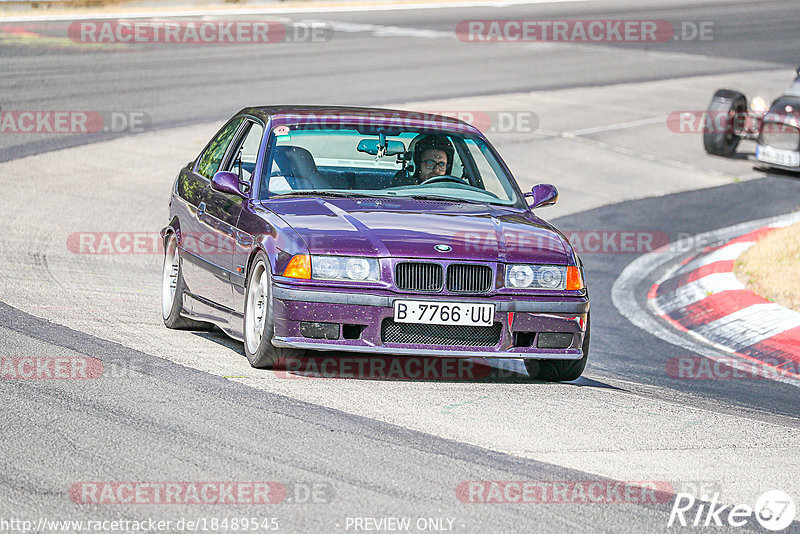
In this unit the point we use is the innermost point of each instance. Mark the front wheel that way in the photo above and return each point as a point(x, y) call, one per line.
point(725, 112)
point(259, 320)
point(560, 370)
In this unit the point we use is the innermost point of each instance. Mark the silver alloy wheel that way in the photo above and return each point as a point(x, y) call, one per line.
point(255, 318)
point(169, 279)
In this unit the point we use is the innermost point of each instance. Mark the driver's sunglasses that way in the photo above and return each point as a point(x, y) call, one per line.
point(430, 164)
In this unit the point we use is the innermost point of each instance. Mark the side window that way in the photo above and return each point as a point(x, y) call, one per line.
point(458, 165)
point(212, 157)
point(244, 161)
point(489, 171)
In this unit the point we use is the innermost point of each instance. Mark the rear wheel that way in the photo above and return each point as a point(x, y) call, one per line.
point(725, 112)
point(258, 320)
point(172, 288)
point(560, 370)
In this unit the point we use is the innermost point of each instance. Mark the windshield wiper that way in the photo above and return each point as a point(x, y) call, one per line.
point(345, 194)
point(446, 198)
point(311, 192)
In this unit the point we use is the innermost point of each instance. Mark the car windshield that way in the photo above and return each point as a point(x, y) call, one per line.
point(309, 160)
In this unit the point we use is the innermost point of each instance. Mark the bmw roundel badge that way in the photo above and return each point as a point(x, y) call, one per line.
point(443, 248)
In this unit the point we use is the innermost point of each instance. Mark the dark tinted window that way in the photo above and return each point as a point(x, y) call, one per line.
point(212, 157)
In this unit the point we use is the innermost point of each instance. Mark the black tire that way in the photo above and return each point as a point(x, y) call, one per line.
point(560, 370)
point(172, 302)
point(723, 142)
point(260, 351)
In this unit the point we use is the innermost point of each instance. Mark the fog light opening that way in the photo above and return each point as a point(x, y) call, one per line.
point(352, 331)
point(319, 330)
point(554, 340)
point(524, 339)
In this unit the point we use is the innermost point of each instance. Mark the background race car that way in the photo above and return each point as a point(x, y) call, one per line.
point(776, 128)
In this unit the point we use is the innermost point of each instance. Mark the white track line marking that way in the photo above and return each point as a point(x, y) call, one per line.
point(696, 291)
point(750, 325)
point(726, 253)
point(384, 31)
point(618, 126)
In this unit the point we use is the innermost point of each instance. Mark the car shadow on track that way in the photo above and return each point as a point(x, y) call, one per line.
point(221, 338)
point(343, 365)
point(771, 172)
point(358, 366)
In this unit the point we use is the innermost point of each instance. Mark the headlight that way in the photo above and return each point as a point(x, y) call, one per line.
point(543, 277)
point(759, 105)
point(520, 276)
point(344, 268)
point(357, 268)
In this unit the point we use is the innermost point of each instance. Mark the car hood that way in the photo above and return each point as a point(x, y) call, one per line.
point(410, 228)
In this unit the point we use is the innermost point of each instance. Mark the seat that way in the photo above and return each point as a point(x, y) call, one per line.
point(402, 178)
point(405, 176)
point(298, 166)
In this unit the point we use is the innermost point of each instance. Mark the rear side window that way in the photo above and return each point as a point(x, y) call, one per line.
point(212, 157)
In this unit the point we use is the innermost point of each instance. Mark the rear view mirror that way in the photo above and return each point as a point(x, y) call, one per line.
point(543, 195)
point(371, 146)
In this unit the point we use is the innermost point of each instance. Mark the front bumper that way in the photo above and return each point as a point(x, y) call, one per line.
point(516, 319)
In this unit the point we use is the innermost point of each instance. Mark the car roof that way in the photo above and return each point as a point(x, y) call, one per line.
point(348, 114)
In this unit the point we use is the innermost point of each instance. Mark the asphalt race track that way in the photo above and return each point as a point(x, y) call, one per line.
point(185, 407)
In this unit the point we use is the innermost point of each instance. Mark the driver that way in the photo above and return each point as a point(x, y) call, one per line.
point(433, 156)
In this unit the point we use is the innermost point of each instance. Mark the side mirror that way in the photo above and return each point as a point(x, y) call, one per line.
point(227, 182)
point(542, 195)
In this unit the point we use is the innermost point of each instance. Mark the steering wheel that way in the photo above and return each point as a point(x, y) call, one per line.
point(444, 178)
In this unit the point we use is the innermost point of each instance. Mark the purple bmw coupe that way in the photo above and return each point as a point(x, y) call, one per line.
point(370, 230)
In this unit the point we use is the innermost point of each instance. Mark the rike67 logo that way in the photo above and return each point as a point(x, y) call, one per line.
point(774, 510)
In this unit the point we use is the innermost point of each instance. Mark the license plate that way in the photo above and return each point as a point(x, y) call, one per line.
point(452, 313)
point(787, 158)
